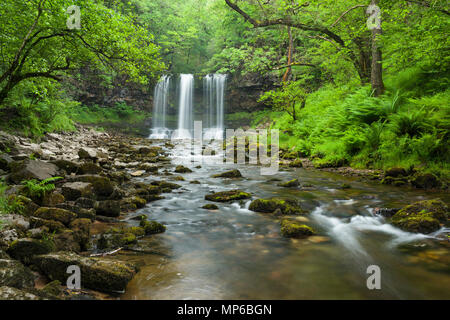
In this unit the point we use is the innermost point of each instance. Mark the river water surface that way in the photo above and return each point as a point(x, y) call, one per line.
point(234, 253)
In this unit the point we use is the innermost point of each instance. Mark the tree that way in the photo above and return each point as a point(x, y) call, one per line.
point(36, 42)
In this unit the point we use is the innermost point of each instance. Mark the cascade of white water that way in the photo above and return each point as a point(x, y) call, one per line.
point(214, 90)
point(185, 116)
point(160, 104)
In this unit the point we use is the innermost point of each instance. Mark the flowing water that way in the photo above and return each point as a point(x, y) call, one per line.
point(185, 118)
point(214, 86)
point(160, 104)
point(234, 253)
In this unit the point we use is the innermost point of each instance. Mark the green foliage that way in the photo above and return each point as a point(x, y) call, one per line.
point(102, 115)
point(35, 189)
point(8, 204)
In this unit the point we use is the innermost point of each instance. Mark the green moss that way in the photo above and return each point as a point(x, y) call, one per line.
point(271, 205)
point(229, 174)
point(152, 227)
point(292, 229)
point(210, 206)
point(290, 184)
point(227, 196)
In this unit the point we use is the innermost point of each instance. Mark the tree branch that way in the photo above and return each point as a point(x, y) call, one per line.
point(350, 9)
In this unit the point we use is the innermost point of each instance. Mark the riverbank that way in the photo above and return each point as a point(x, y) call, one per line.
point(92, 210)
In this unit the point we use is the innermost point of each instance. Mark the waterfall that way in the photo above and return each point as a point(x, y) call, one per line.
point(160, 103)
point(214, 94)
point(185, 117)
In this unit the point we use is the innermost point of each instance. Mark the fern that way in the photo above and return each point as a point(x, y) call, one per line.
point(37, 190)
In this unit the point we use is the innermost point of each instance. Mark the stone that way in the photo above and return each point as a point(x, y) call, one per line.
point(290, 184)
point(15, 274)
point(53, 226)
point(85, 203)
point(56, 214)
point(81, 228)
point(5, 160)
point(103, 187)
point(293, 229)
point(227, 196)
point(286, 206)
point(87, 153)
point(138, 173)
point(426, 181)
point(74, 190)
point(52, 199)
point(386, 212)
point(152, 227)
point(210, 206)
point(97, 274)
point(68, 166)
point(32, 169)
point(16, 220)
point(25, 249)
point(67, 240)
point(89, 168)
point(396, 172)
point(108, 208)
point(182, 169)
point(229, 174)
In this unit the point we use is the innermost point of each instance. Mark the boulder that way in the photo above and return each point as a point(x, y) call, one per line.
point(25, 249)
point(103, 187)
point(32, 169)
point(210, 206)
point(67, 240)
point(290, 184)
point(297, 163)
point(229, 174)
point(68, 166)
point(89, 168)
point(74, 190)
point(152, 227)
point(396, 172)
point(97, 274)
point(423, 216)
point(85, 203)
point(51, 225)
point(108, 208)
point(226, 196)
point(5, 160)
point(426, 181)
point(56, 214)
point(293, 229)
point(285, 206)
point(182, 169)
point(81, 228)
point(15, 274)
point(87, 153)
point(52, 199)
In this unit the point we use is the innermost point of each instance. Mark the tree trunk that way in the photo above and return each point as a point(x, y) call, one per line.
point(376, 76)
point(289, 69)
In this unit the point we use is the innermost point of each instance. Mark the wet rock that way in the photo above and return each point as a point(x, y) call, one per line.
point(227, 196)
point(293, 229)
point(165, 185)
point(74, 190)
point(396, 172)
point(138, 173)
point(400, 181)
point(286, 206)
point(297, 163)
point(194, 182)
point(386, 212)
point(67, 240)
point(53, 288)
point(229, 174)
point(178, 178)
point(15, 274)
point(290, 184)
point(52, 226)
point(97, 274)
point(56, 214)
point(108, 208)
point(426, 181)
point(85, 203)
point(132, 203)
point(32, 169)
point(210, 206)
point(10, 293)
point(152, 227)
point(182, 169)
point(423, 216)
point(81, 229)
point(25, 249)
point(88, 153)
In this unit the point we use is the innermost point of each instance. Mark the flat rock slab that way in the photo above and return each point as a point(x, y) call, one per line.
point(97, 274)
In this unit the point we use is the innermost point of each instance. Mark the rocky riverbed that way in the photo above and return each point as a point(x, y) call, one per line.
point(83, 198)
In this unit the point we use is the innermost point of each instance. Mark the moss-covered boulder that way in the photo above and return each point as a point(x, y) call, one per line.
point(285, 206)
point(51, 225)
point(182, 169)
point(68, 166)
point(11, 293)
point(32, 169)
point(210, 206)
point(56, 214)
point(297, 163)
point(132, 203)
point(52, 199)
point(290, 184)
point(74, 190)
point(229, 174)
point(165, 186)
point(152, 227)
point(397, 182)
point(108, 208)
point(15, 274)
point(89, 168)
point(103, 187)
point(423, 216)
point(226, 196)
point(97, 274)
point(396, 172)
point(81, 228)
point(25, 249)
point(293, 229)
point(29, 207)
point(426, 181)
